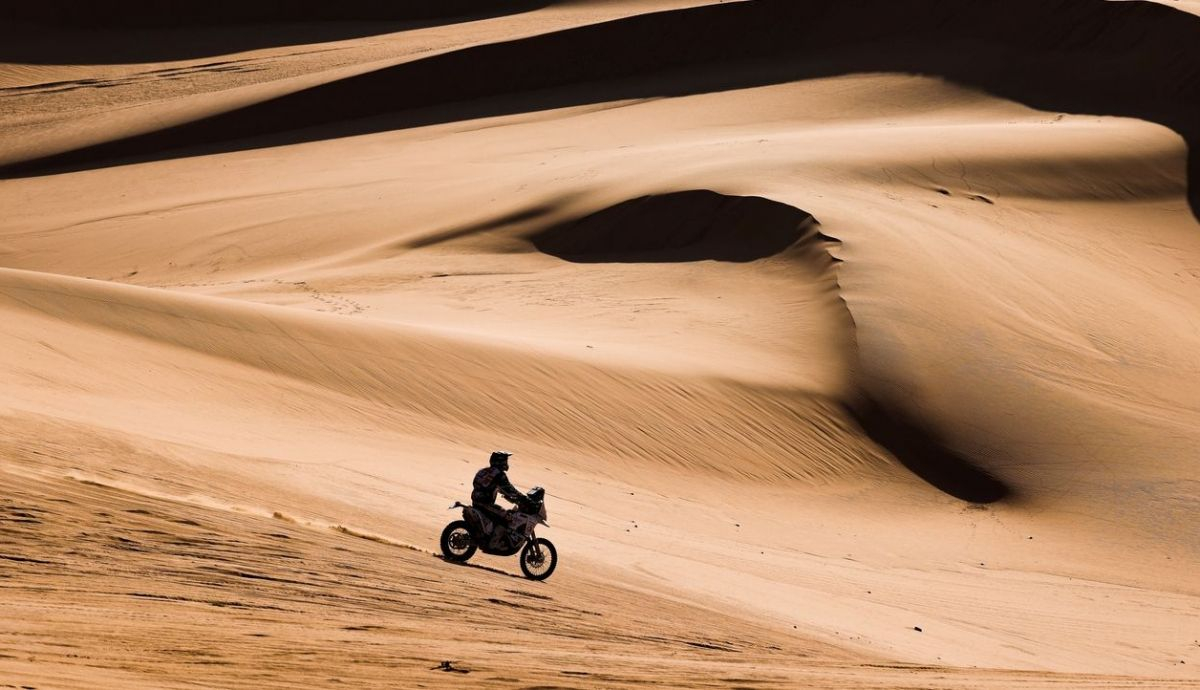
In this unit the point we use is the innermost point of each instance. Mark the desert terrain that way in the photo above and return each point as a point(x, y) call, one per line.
point(856, 343)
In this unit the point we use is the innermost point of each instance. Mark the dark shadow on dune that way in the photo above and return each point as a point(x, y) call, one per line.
point(682, 226)
point(457, 233)
point(702, 225)
point(1132, 59)
point(924, 454)
point(69, 32)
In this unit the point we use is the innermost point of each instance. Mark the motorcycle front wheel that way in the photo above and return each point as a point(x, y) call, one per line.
point(457, 544)
point(538, 559)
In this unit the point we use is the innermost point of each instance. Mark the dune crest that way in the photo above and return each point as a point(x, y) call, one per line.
point(724, 46)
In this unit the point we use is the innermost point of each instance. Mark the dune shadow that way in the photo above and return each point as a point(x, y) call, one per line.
point(920, 450)
point(703, 225)
point(66, 32)
point(1130, 59)
point(694, 225)
point(472, 229)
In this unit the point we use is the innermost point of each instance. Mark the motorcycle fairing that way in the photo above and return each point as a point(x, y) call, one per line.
point(482, 529)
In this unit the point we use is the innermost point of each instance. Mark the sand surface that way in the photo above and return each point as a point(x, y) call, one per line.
point(857, 346)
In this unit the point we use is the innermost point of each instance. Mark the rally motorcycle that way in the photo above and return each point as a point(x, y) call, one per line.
point(477, 530)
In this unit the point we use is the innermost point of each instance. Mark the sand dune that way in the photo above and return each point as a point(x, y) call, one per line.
point(1142, 75)
point(856, 344)
point(735, 430)
point(156, 13)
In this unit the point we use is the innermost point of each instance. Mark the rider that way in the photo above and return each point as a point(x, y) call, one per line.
point(488, 482)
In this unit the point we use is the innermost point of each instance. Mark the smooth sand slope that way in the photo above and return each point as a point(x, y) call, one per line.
point(857, 345)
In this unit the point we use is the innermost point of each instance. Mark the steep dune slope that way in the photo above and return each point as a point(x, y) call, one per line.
point(1081, 61)
point(159, 593)
point(171, 421)
point(251, 434)
point(734, 430)
point(57, 98)
point(111, 587)
point(436, 269)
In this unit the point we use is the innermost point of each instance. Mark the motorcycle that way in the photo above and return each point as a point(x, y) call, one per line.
point(477, 530)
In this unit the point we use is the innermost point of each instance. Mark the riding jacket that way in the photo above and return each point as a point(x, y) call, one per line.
point(490, 480)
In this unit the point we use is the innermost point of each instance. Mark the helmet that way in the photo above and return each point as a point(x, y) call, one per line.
point(499, 459)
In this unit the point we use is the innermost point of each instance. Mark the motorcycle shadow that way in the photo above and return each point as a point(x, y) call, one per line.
point(488, 568)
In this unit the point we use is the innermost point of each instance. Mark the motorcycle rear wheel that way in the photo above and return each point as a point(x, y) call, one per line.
point(538, 559)
point(457, 544)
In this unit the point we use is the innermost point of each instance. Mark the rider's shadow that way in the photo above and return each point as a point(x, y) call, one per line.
point(488, 568)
